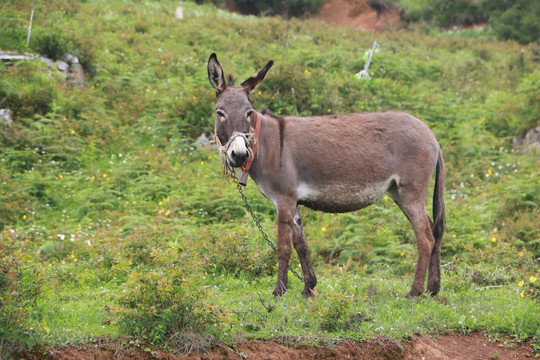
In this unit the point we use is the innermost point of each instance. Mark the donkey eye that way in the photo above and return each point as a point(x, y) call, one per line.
point(220, 113)
point(248, 113)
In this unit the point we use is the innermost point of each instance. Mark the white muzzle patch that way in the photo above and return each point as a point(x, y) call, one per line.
point(237, 150)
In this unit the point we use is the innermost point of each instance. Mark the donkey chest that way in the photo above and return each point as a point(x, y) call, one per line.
point(341, 197)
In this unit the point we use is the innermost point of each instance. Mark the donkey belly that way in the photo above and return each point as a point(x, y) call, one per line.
point(337, 198)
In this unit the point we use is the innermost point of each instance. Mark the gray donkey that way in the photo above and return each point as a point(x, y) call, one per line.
point(333, 163)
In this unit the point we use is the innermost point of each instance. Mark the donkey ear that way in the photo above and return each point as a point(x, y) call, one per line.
point(256, 79)
point(215, 74)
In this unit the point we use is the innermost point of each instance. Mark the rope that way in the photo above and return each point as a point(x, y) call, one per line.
point(249, 138)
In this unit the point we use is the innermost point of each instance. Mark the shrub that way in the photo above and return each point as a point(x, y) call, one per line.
point(516, 20)
point(159, 307)
point(19, 288)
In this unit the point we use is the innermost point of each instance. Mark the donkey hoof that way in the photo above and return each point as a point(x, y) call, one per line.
point(279, 291)
point(307, 292)
point(414, 293)
point(433, 291)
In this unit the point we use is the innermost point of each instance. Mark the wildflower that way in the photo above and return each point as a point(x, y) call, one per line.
point(61, 176)
point(521, 283)
point(489, 172)
point(522, 294)
point(24, 217)
point(454, 236)
point(329, 110)
point(385, 197)
point(259, 92)
point(72, 131)
point(495, 230)
point(532, 279)
point(104, 175)
point(306, 72)
point(323, 229)
point(493, 239)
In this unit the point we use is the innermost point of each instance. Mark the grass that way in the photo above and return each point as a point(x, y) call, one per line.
point(115, 224)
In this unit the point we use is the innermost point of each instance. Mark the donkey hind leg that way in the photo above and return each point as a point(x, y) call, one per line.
point(416, 213)
point(300, 245)
point(284, 247)
point(434, 276)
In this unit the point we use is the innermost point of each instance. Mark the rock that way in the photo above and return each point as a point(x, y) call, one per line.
point(529, 140)
point(78, 75)
point(204, 140)
point(63, 67)
point(47, 61)
point(5, 117)
point(70, 59)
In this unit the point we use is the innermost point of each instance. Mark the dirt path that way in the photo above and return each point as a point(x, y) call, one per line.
point(473, 346)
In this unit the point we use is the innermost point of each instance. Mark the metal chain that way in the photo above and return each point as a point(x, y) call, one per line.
point(254, 217)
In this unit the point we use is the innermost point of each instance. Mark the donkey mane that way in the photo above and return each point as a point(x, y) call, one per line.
point(281, 123)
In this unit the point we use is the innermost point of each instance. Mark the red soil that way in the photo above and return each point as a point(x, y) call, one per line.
point(473, 346)
point(358, 14)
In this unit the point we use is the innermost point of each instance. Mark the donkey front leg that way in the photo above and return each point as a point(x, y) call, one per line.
point(300, 245)
point(284, 246)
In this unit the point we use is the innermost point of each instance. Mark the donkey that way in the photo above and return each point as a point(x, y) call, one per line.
point(332, 163)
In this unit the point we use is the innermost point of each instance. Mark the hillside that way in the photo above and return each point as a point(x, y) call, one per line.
point(117, 228)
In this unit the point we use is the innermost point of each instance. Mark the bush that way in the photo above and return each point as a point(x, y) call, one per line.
point(26, 90)
point(516, 20)
point(160, 307)
point(19, 288)
point(283, 7)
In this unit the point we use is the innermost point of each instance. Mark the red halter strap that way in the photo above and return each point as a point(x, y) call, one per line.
point(245, 168)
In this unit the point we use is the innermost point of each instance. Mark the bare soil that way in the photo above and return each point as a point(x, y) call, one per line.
point(358, 14)
point(475, 346)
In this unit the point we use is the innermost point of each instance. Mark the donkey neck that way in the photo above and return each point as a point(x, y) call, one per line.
point(270, 144)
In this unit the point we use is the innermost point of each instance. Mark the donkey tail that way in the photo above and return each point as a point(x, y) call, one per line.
point(439, 217)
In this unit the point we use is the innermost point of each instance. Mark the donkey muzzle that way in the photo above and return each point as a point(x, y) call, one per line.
point(237, 153)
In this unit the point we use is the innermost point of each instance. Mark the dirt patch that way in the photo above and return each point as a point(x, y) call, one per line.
point(358, 14)
point(473, 346)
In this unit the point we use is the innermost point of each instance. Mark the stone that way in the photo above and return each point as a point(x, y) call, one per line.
point(529, 140)
point(5, 117)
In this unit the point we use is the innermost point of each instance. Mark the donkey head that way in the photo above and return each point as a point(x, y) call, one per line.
point(234, 110)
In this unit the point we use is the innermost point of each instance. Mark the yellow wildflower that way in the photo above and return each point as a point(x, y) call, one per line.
point(323, 229)
point(532, 279)
point(522, 294)
point(521, 283)
point(493, 239)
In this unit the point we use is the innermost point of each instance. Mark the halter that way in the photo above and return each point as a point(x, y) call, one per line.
point(252, 140)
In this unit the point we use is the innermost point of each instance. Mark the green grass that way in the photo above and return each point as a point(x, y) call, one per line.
point(115, 225)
